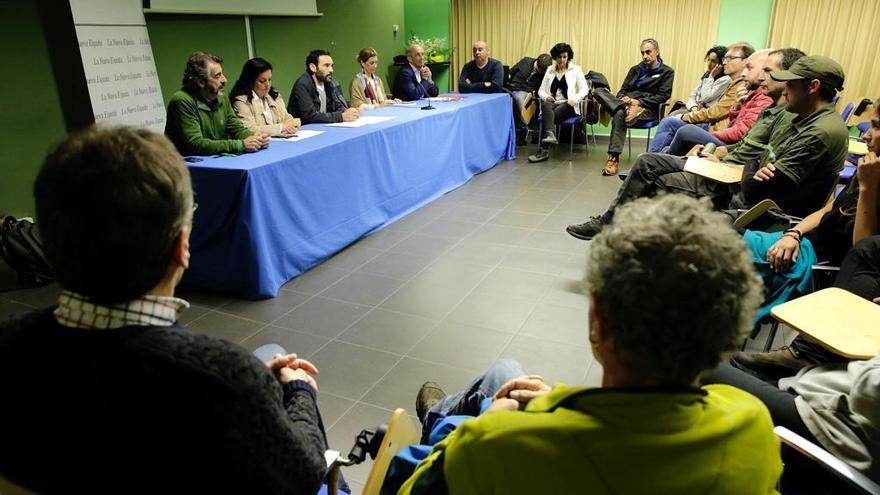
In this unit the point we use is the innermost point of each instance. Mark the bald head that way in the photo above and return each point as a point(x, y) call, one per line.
point(754, 67)
point(415, 54)
point(481, 53)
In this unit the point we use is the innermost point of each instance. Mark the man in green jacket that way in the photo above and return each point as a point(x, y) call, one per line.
point(671, 290)
point(201, 120)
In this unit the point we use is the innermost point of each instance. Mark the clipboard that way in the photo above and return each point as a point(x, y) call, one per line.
point(721, 172)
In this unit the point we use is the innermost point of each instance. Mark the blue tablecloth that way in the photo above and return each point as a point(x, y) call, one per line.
point(264, 218)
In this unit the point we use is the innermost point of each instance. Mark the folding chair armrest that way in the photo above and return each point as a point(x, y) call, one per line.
point(816, 453)
point(825, 268)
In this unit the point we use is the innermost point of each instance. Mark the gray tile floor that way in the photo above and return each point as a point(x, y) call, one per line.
point(484, 272)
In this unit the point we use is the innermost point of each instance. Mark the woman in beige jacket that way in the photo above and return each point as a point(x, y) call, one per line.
point(366, 87)
point(258, 104)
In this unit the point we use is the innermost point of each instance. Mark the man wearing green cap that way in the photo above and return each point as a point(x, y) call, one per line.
point(789, 156)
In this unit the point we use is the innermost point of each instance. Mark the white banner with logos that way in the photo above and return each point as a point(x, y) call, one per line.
point(118, 62)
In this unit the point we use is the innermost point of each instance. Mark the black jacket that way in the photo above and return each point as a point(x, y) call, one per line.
point(522, 78)
point(141, 410)
point(652, 89)
point(305, 104)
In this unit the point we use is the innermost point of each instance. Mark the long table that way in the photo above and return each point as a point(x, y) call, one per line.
point(264, 218)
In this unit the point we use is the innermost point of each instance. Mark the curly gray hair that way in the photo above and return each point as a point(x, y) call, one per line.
point(675, 286)
point(197, 68)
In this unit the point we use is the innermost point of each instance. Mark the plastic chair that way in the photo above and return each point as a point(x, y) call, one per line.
point(572, 122)
point(847, 110)
point(649, 125)
point(382, 443)
point(851, 481)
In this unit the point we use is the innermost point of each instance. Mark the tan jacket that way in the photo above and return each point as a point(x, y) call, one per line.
point(717, 114)
point(356, 90)
point(251, 114)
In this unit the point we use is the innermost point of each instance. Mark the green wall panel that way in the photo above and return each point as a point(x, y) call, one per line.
point(344, 29)
point(744, 20)
point(175, 37)
point(31, 121)
point(430, 19)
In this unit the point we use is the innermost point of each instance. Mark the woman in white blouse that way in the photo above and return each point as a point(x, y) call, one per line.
point(562, 91)
point(366, 88)
point(258, 104)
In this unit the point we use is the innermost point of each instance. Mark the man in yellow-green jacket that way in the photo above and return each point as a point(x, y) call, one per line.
point(648, 428)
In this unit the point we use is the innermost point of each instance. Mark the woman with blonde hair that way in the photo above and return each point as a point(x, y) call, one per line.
point(367, 88)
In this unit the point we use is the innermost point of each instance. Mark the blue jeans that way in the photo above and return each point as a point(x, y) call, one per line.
point(468, 402)
point(689, 136)
point(665, 132)
point(265, 353)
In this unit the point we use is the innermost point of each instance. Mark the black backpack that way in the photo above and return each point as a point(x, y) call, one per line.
point(20, 246)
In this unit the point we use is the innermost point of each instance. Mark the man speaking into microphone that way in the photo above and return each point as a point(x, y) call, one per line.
point(314, 97)
point(414, 80)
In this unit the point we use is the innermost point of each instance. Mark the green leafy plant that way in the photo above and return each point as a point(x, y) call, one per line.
point(435, 48)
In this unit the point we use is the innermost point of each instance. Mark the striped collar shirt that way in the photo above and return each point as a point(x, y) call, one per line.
point(77, 311)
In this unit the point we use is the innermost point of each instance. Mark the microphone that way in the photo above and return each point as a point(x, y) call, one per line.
point(427, 97)
point(709, 148)
point(337, 93)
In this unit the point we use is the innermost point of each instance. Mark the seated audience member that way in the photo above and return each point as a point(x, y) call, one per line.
point(790, 158)
point(525, 79)
point(201, 120)
point(127, 400)
point(646, 86)
point(847, 225)
point(649, 417)
point(562, 91)
point(745, 113)
point(712, 85)
point(482, 74)
point(258, 104)
point(315, 97)
point(716, 116)
point(366, 88)
point(414, 80)
point(829, 400)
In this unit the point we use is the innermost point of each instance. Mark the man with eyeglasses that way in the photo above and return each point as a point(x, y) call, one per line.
point(717, 116)
point(789, 155)
point(646, 86)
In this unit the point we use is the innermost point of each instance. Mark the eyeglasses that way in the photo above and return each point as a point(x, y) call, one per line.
point(731, 57)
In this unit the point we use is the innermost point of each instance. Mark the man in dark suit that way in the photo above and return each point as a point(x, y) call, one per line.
point(315, 98)
point(414, 81)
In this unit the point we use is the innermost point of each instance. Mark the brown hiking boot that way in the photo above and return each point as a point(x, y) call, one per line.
point(771, 365)
point(610, 166)
point(633, 114)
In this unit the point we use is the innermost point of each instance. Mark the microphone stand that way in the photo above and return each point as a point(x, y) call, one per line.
point(427, 97)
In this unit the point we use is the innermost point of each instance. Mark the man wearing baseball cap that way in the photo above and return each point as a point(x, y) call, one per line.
point(799, 164)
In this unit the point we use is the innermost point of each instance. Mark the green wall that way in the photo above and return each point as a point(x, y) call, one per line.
point(430, 19)
point(744, 20)
point(31, 120)
point(283, 41)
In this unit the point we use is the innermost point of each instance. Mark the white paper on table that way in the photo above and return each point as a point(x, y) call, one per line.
point(404, 104)
point(361, 121)
point(300, 135)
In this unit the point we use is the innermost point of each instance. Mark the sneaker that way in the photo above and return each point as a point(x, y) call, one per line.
point(429, 394)
point(587, 230)
point(771, 365)
point(550, 138)
point(541, 156)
